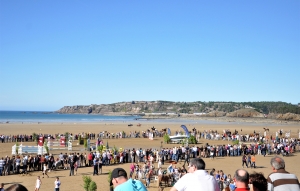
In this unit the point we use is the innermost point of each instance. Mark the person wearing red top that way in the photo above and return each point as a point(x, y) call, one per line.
point(241, 178)
point(90, 158)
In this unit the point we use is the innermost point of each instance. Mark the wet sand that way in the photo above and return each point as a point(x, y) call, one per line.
point(227, 164)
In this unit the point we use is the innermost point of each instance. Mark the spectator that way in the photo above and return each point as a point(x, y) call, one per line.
point(2, 187)
point(258, 182)
point(16, 187)
point(196, 178)
point(241, 178)
point(281, 179)
point(122, 183)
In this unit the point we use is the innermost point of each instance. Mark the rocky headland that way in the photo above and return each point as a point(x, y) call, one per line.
point(194, 110)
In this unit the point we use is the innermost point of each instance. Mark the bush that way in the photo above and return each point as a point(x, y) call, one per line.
point(79, 139)
point(93, 186)
point(46, 146)
point(192, 140)
point(166, 138)
point(35, 137)
point(236, 142)
point(100, 148)
point(88, 184)
point(85, 143)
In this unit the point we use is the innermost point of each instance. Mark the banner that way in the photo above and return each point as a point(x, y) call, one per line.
point(185, 130)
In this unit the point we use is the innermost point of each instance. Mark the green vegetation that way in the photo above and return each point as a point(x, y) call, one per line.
point(85, 142)
point(109, 179)
point(35, 137)
point(46, 146)
point(274, 107)
point(192, 140)
point(166, 138)
point(100, 148)
point(88, 184)
point(67, 138)
point(236, 142)
point(17, 147)
point(265, 107)
point(80, 141)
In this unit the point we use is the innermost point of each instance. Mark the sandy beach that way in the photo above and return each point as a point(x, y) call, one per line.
point(74, 183)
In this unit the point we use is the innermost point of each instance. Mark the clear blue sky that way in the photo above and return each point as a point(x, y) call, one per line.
point(73, 52)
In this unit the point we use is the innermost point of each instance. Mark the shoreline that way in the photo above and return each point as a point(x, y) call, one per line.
point(168, 120)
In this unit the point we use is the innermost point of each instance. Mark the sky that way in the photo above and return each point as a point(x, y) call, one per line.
point(57, 53)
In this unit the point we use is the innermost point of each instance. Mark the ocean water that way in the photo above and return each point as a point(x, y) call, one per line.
point(51, 117)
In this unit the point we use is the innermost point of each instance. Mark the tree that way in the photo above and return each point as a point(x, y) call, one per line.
point(46, 146)
point(88, 184)
point(166, 138)
point(111, 188)
point(100, 148)
point(35, 137)
point(192, 140)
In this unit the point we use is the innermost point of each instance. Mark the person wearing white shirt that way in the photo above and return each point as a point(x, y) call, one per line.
point(57, 184)
point(197, 179)
point(38, 184)
point(138, 155)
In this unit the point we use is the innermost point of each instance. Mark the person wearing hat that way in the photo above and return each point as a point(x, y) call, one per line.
point(122, 183)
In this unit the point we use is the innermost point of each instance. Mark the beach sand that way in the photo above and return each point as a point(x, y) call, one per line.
point(74, 183)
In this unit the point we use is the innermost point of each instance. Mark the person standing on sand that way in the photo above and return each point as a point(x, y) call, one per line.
point(45, 170)
point(253, 160)
point(38, 184)
point(57, 184)
point(244, 160)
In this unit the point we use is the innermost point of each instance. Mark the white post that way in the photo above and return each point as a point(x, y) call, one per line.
point(70, 146)
point(13, 150)
point(40, 150)
point(20, 150)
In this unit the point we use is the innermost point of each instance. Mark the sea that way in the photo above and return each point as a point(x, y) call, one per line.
point(33, 117)
point(53, 117)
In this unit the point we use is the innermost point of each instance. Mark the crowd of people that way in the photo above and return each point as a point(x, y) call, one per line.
point(196, 178)
point(142, 161)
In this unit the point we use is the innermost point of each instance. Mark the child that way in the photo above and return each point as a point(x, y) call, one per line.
point(57, 184)
point(253, 161)
point(38, 184)
point(232, 185)
point(45, 170)
point(148, 177)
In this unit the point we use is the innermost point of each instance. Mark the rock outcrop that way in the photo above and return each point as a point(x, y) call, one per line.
point(166, 109)
point(288, 116)
point(245, 113)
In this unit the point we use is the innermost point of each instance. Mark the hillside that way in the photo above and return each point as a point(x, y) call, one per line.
point(273, 110)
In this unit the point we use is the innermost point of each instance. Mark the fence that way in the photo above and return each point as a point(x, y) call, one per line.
point(28, 150)
point(40, 150)
point(59, 144)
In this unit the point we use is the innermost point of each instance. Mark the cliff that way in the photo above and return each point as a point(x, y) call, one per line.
point(167, 109)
